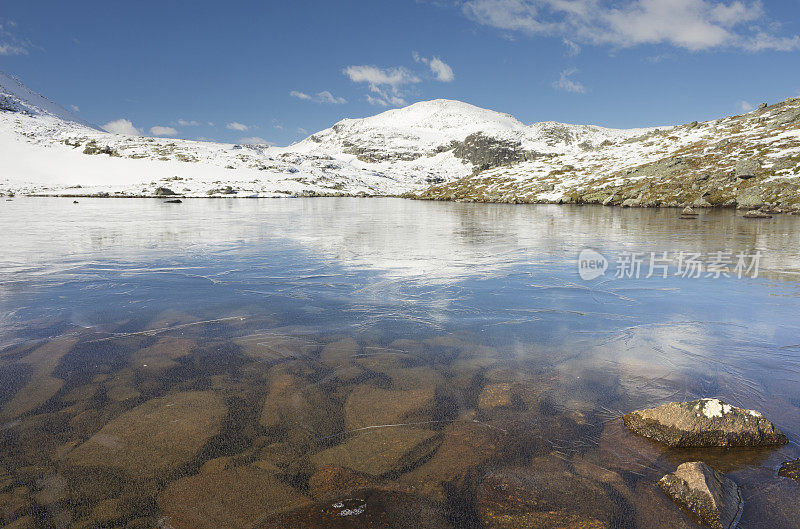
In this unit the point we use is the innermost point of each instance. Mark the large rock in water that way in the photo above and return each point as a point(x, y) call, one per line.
point(705, 493)
point(157, 436)
point(702, 423)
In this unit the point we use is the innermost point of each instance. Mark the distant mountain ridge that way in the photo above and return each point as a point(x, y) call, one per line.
point(438, 149)
point(16, 97)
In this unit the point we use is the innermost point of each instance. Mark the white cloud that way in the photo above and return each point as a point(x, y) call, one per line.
point(236, 126)
point(387, 85)
point(322, 97)
point(74, 108)
point(327, 97)
point(301, 130)
point(9, 43)
point(159, 130)
point(11, 49)
point(568, 85)
point(744, 106)
point(376, 77)
point(122, 126)
point(187, 123)
point(254, 140)
point(572, 48)
point(440, 69)
point(690, 24)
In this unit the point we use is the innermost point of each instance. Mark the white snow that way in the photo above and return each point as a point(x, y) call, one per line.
point(714, 408)
point(42, 152)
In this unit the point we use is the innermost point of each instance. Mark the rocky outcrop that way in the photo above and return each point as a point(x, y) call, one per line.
point(750, 198)
point(164, 192)
point(705, 493)
point(703, 423)
point(485, 152)
point(746, 169)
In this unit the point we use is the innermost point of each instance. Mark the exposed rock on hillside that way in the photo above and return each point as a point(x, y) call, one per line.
point(718, 163)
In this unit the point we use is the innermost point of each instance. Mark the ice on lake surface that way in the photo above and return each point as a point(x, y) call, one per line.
point(379, 362)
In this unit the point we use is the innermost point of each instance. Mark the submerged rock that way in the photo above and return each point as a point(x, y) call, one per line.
point(42, 384)
point(496, 396)
point(331, 481)
point(704, 422)
point(547, 494)
point(227, 499)
point(364, 509)
point(705, 493)
point(652, 508)
point(372, 406)
point(466, 448)
point(303, 410)
point(688, 213)
point(159, 435)
point(755, 214)
point(790, 469)
point(382, 451)
point(162, 355)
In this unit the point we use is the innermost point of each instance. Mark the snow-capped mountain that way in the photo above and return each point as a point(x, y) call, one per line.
point(437, 149)
point(44, 149)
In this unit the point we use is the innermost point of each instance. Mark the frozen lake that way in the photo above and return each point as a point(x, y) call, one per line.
point(151, 353)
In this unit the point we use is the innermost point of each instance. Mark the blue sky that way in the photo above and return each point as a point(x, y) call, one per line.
point(276, 70)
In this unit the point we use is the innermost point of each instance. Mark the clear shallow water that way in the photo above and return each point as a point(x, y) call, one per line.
point(429, 317)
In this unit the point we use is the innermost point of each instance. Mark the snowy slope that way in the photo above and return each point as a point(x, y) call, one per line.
point(746, 161)
point(15, 96)
point(437, 149)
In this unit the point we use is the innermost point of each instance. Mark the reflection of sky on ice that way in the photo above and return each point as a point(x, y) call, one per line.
point(505, 273)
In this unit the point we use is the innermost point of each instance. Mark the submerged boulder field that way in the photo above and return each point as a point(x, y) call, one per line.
point(704, 423)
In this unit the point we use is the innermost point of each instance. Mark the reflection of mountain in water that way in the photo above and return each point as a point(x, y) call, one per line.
point(425, 241)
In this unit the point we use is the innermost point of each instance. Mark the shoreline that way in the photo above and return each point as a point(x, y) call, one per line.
point(795, 210)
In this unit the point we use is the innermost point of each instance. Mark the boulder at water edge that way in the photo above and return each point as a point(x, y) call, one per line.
point(702, 423)
point(705, 493)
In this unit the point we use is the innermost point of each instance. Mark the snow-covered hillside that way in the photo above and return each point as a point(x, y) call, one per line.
point(437, 149)
point(748, 161)
point(46, 150)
